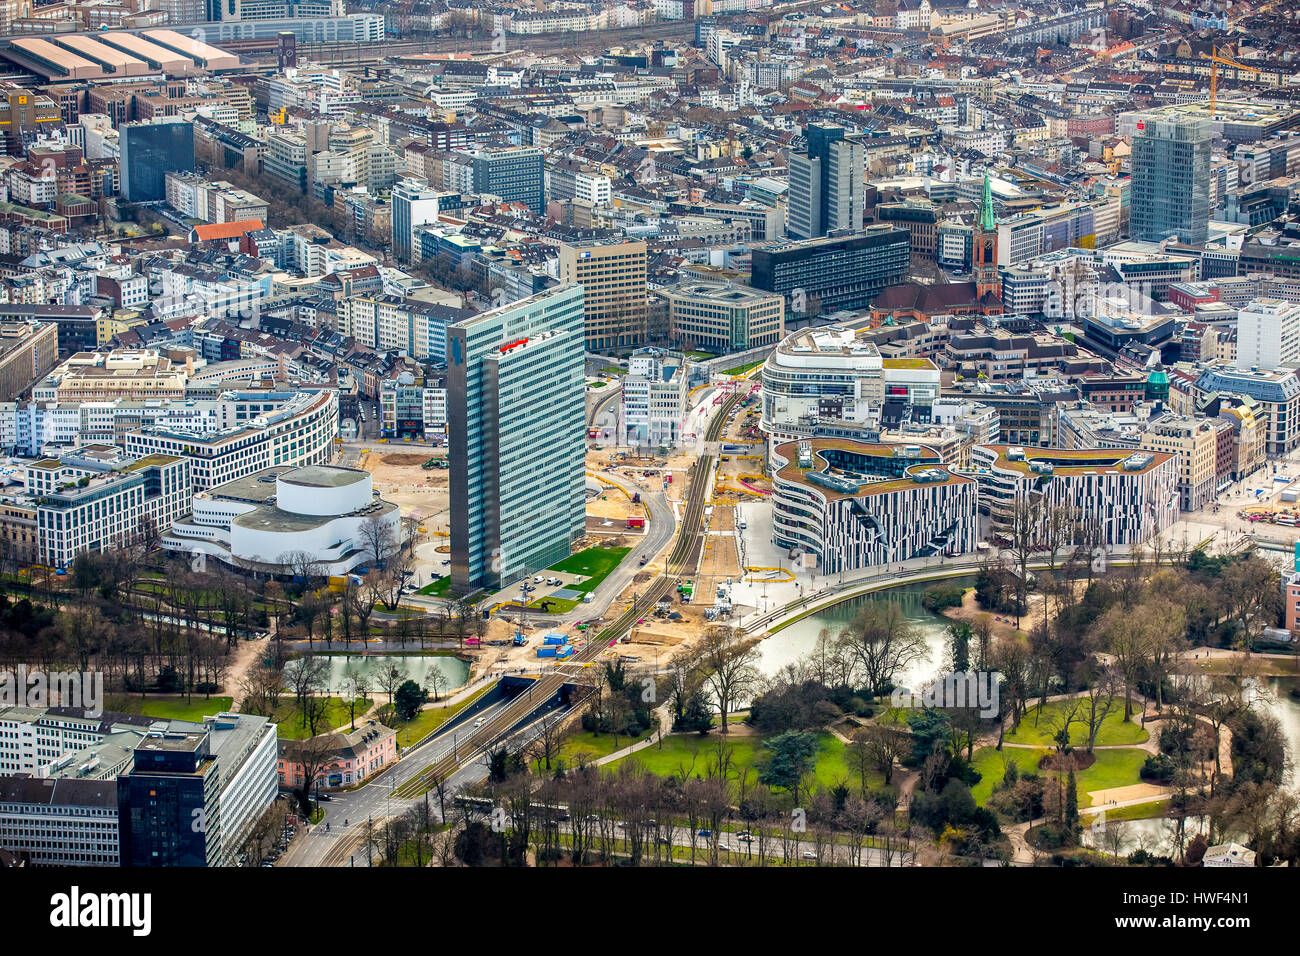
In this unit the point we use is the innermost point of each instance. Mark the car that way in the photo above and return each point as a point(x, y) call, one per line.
point(538, 579)
point(324, 796)
point(267, 863)
point(745, 838)
point(593, 818)
point(705, 833)
point(480, 722)
point(809, 855)
point(723, 845)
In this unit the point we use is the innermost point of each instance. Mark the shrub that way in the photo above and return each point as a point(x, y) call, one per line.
point(939, 597)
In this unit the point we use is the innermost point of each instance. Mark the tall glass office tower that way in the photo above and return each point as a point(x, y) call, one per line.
point(1171, 178)
point(147, 152)
point(517, 420)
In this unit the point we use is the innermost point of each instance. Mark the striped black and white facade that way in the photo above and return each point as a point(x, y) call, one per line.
point(1121, 498)
point(869, 505)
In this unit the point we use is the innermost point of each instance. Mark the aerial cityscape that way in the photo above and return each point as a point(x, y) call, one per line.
point(648, 433)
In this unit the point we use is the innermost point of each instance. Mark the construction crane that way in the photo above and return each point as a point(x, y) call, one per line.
point(1215, 62)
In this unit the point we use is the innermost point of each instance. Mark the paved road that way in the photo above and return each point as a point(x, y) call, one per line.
point(342, 845)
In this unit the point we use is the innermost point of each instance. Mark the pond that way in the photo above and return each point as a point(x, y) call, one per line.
point(417, 666)
point(789, 644)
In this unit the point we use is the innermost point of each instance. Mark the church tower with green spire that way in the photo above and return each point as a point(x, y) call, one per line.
point(984, 248)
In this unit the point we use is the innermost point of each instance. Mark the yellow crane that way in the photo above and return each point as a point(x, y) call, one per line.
point(1215, 62)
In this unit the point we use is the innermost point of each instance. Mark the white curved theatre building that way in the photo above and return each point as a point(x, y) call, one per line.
point(255, 521)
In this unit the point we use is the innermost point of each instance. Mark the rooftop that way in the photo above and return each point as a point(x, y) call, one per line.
point(835, 483)
point(1077, 461)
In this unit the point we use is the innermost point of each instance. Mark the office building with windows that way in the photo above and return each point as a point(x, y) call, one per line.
point(513, 173)
point(826, 184)
point(195, 791)
point(613, 280)
point(1171, 178)
point(414, 204)
point(846, 505)
point(516, 416)
point(148, 152)
point(722, 317)
point(1120, 497)
point(836, 272)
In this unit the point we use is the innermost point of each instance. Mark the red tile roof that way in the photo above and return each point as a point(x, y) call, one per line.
point(224, 230)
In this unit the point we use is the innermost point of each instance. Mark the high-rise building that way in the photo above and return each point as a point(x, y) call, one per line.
point(613, 278)
point(515, 173)
point(516, 416)
point(1171, 178)
point(826, 184)
point(148, 152)
point(414, 204)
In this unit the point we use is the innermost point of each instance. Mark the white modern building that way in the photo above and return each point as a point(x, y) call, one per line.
point(1268, 334)
point(299, 432)
point(255, 522)
point(835, 374)
point(654, 399)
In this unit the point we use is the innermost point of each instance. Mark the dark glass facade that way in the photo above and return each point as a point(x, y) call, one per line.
point(843, 273)
point(148, 152)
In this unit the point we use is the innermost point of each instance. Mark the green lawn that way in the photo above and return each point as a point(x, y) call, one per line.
point(597, 384)
point(557, 605)
point(594, 562)
point(1115, 731)
point(410, 733)
point(1139, 811)
point(693, 753)
point(613, 370)
point(742, 369)
point(589, 745)
point(991, 764)
point(437, 588)
point(172, 707)
point(288, 719)
point(1113, 768)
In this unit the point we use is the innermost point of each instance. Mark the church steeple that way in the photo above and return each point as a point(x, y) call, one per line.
point(987, 222)
point(984, 250)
